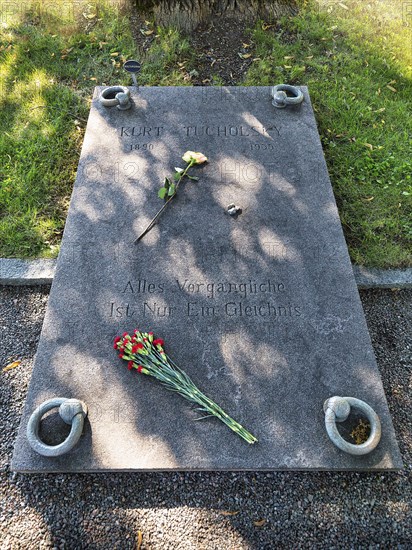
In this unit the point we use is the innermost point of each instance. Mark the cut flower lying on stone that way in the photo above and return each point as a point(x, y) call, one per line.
point(170, 185)
point(145, 353)
point(194, 158)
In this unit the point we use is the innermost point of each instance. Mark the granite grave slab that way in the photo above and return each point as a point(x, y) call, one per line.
point(261, 310)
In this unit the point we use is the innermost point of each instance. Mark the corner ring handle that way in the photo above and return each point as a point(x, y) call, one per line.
point(282, 100)
point(112, 102)
point(337, 409)
point(72, 411)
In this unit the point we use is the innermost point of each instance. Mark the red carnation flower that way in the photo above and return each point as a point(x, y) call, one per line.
point(117, 339)
point(115, 346)
point(155, 363)
point(125, 334)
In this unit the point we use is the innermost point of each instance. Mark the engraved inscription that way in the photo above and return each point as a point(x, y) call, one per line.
point(262, 146)
point(141, 147)
point(141, 131)
point(243, 289)
point(197, 309)
point(144, 132)
point(208, 289)
point(224, 131)
point(231, 131)
point(205, 299)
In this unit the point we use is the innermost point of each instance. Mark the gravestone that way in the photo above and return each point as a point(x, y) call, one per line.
point(261, 310)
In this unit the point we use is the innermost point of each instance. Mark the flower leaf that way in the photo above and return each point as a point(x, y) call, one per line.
point(168, 191)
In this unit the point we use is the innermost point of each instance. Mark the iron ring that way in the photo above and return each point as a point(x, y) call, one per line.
point(337, 409)
point(72, 411)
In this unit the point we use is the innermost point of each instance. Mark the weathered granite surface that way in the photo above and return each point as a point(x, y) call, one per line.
point(262, 311)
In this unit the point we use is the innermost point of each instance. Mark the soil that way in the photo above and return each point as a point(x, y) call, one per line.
point(222, 46)
point(219, 45)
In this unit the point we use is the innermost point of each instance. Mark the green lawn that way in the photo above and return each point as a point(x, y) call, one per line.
point(50, 62)
point(356, 58)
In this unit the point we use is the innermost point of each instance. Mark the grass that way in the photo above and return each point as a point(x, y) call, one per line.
point(169, 60)
point(50, 63)
point(357, 62)
point(356, 58)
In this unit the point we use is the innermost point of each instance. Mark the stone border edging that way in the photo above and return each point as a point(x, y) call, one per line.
point(41, 272)
point(382, 278)
point(26, 272)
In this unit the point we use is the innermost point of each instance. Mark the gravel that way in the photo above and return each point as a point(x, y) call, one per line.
point(206, 510)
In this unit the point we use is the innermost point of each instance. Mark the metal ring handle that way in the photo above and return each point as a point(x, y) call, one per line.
point(72, 411)
point(121, 99)
point(281, 99)
point(337, 409)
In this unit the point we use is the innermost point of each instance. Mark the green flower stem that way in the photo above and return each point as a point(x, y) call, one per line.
point(159, 213)
point(213, 408)
point(167, 372)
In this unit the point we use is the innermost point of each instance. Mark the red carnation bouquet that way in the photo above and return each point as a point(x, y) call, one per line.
point(146, 354)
